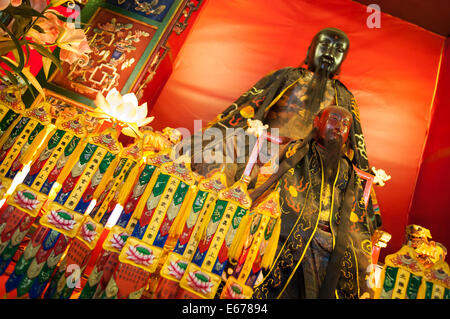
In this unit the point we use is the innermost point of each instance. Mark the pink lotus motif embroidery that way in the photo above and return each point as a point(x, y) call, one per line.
point(234, 291)
point(26, 199)
point(200, 282)
point(118, 240)
point(61, 219)
point(140, 255)
point(88, 232)
point(177, 269)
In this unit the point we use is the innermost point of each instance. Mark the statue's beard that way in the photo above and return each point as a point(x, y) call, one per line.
point(332, 155)
point(316, 91)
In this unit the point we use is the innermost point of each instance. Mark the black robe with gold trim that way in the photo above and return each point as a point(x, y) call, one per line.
point(300, 201)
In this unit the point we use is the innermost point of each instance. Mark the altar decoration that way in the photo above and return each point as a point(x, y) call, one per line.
point(156, 147)
point(203, 274)
point(86, 239)
point(26, 201)
point(254, 247)
point(61, 219)
point(417, 271)
point(158, 212)
point(69, 136)
point(200, 211)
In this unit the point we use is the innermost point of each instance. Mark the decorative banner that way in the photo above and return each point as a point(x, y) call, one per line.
point(29, 197)
point(62, 220)
point(20, 142)
point(14, 225)
point(27, 200)
point(200, 212)
point(45, 169)
point(158, 210)
point(437, 281)
point(64, 217)
point(199, 282)
point(75, 261)
point(104, 268)
point(202, 277)
point(36, 264)
point(140, 255)
point(402, 276)
point(235, 289)
point(145, 183)
point(254, 247)
point(130, 279)
point(116, 239)
point(120, 232)
point(175, 194)
point(92, 227)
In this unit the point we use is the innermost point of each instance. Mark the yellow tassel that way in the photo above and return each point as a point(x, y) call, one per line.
point(240, 238)
point(272, 245)
point(38, 145)
point(73, 158)
point(128, 184)
point(183, 214)
point(106, 177)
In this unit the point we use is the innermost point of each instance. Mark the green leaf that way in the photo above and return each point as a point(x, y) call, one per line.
point(8, 46)
point(21, 61)
point(10, 76)
point(33, 81)
point(45, 52)
point(38, 28)
point(46, 63)
point(30, 87)
point(20, 26)
point(24, 11)
point(9, 63)
point(20, 72)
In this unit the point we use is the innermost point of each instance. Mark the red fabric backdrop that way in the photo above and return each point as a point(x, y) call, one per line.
point(431, 203)
point(391, 71)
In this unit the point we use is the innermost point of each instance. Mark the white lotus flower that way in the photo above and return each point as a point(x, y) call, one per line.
point(125, 109)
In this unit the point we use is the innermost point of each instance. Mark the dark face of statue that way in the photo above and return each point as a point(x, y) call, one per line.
point(333, 124)
point(327, 51)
